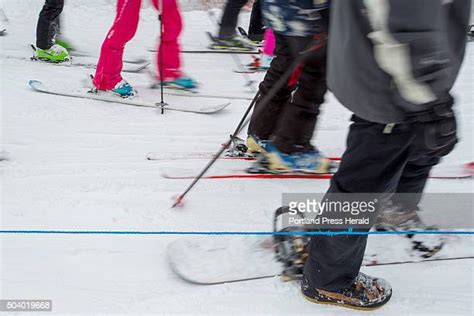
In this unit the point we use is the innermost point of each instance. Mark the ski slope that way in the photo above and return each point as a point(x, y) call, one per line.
point(71, 164)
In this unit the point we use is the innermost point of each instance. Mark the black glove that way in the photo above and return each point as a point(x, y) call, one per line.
point(436, 129)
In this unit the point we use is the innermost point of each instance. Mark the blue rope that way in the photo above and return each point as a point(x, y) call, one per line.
point(228, 233)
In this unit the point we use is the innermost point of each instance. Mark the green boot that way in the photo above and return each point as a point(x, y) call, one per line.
point(64, 43)
point(56, 54)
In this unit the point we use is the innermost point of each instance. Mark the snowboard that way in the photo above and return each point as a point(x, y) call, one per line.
point(178, 104)
point(219, 259)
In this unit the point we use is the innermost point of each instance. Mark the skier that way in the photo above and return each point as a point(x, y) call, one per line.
point(283, 129)
point(227, 36)
point(109, 66)
point(48, 22)
point(403, 122)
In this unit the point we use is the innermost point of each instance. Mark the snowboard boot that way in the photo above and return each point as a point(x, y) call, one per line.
point(181, 83)
point(394, 218)
point(365, 293)
point(306, 161)
point(55, 54)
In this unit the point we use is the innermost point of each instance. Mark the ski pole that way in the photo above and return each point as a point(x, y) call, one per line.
point(162, 104)
point(239, 127)
point(314, 46)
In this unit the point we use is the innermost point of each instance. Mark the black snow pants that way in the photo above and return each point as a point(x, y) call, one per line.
point(48, 23)
point(256, 27)
point(379, 160)
point(290, 117)
point(230, 17)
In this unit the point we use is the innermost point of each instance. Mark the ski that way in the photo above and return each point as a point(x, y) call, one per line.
point(153, 156)
point(135, 67)
point(126, 68)
point(230, 259)
point(248, 70)
point(77, 53)
point(82, 93)
point(440, 172)
point(202, 95)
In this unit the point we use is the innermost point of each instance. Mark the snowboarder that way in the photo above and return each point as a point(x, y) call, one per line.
point(227, 36)
point(283, 129)
point(109, 66)
point(48, 23)
point(403, 122)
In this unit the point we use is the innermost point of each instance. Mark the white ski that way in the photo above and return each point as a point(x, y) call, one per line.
point(178, 104)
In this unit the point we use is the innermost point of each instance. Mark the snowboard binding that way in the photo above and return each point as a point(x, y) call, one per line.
point(291, 250)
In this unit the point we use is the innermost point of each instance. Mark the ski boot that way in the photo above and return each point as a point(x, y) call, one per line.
point(123, 89)
point(237, 43)
point(55, 54)
point(237, 148)
point(181, 83)
point(365, 293)
point(64, 43)
point(256, 145)
point(470, 33)
point(259, 64)
point(306, 161)
point(256, 43)
point(394, 218)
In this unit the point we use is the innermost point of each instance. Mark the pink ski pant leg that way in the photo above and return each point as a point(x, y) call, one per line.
point(123, 29)
point(172, 26)
point(269, 40)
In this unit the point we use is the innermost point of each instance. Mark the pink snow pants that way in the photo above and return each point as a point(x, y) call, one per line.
point(124, 28)
point(269, 42)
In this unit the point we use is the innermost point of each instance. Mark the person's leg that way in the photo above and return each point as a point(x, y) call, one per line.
point(269, 40)
point(256, 28)
point(168, 45)
point(372, 163)
point(264, 119)
point(110, 62)
point(412, 183)
point(45, 29)
point(297, 121)
point(230, 18)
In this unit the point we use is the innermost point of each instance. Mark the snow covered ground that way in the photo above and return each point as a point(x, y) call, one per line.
point(70, 164)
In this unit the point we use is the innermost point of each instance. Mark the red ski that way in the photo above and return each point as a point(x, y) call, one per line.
point(447, 172)
point(203, 155)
